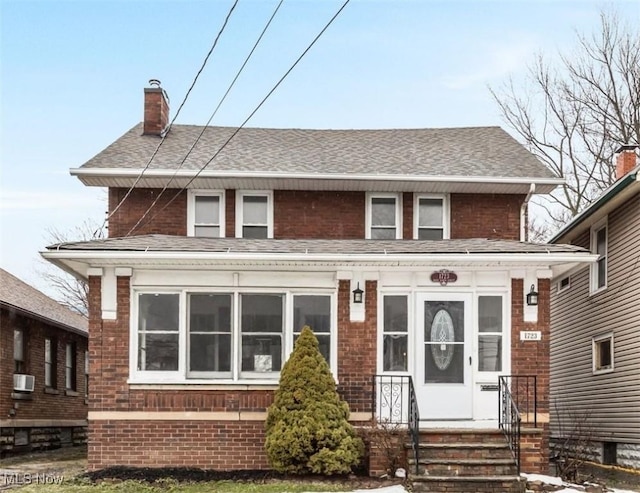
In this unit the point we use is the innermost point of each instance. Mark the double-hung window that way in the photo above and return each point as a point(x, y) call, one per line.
point(205, 213)
point(384, 217)
point(254, 215)
point(50, 360)
point(70, 366)
point(431, 217)
point(19, 351)
point(158, 331)
point(490, 333)
point(599, 246)
point(228, 336)
point(395, 332)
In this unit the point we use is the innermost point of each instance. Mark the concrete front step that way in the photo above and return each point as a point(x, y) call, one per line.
point(468, 484)
point(457, 435)
point(465, 467)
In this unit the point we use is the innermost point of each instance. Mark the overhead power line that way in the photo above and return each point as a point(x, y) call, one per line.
point(215, 111)
point(184, 100)
point(235, 132)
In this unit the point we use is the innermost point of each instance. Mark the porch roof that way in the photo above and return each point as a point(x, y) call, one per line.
point(231, 246)
point(190, 253)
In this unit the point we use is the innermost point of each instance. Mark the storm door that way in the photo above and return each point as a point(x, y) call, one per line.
point(444, 361)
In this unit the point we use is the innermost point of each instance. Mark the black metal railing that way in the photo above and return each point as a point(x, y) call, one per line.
point(509, 419)
point(394, 401)
point(524, 392)
point(517, 397)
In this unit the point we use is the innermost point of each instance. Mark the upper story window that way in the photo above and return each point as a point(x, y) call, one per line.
point(383, 217)
point(205, 213)
point(254, 215)
point(19, 351)
point(599, 246)
point(431, 217)
point(229, 336)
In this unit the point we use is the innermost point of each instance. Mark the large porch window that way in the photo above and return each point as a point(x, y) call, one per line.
point(225, 336)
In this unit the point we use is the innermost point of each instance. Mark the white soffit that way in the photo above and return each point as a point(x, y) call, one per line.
point(283, 181)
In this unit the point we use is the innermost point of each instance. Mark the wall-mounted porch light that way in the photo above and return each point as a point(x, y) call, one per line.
point(532, 297)
point(357, 294)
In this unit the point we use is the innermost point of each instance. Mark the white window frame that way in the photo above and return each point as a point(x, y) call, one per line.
point(191, 209)
point(369, 210)
point(506, 316)
point(593, 277)
point(595, 341)
point(446, 213)
point(182, 376)
point(240, 195)
point(562, 288)
point(382, 333)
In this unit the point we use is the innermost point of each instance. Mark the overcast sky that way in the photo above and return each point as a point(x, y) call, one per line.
point(73, 73)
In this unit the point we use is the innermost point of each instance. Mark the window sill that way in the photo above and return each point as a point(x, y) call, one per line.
point(19, 396)
point(598, 291)
point(51, 390)
point(199, 385)
point(602, 372)
point(71, 393)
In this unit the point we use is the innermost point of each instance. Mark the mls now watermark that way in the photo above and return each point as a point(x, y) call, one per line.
point(26, 478)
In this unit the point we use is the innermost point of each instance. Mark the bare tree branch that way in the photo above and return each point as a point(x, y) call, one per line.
point(70, 291)
point(574, 114)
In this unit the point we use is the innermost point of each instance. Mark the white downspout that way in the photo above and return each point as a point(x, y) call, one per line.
point(523, 208)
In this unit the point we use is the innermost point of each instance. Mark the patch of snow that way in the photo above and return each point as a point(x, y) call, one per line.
point(545, 479)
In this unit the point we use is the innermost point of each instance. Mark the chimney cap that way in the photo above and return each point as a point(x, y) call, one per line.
point(154, 82)
point(627, 147)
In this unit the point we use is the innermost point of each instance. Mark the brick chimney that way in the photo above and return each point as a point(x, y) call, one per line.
point(626, 159)
point(156, 109)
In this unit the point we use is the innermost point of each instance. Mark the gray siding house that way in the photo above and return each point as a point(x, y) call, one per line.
point(595, 324)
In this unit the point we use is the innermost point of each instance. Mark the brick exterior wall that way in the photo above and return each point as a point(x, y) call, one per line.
point(357, 352)
point(171, 221)
point(319, 215)
point(532, 358)
point(52, 404)
point(490, 216)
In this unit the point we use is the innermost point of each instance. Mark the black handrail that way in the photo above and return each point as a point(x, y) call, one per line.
point(509, 419)
point(394, 401)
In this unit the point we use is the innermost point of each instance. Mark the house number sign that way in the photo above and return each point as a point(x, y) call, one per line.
point(530, 335)
point(444, 277)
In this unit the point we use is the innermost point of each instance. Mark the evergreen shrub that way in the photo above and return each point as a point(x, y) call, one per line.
point(307, 429)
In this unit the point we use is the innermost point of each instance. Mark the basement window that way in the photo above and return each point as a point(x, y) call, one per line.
point(602, 348)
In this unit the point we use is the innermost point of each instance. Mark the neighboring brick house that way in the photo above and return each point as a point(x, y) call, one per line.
point(198, 293)
point(595, 315)
point(43, 382)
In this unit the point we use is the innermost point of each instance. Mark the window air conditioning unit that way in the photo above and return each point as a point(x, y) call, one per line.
point(25, 383)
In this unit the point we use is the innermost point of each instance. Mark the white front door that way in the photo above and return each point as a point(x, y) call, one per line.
point(444, 337)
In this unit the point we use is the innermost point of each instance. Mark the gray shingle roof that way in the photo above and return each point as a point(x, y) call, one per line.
point(166, 243)
point(18, 294)
point(472, 151)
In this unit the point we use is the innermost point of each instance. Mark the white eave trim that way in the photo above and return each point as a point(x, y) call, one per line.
point(333, 258)
point(84, 174)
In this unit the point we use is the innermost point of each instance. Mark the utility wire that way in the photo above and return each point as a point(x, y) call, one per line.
point(215, 111)
point(177, 194)
point(166, 131)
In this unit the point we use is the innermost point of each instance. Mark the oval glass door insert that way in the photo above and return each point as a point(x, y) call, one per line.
point(442, 335)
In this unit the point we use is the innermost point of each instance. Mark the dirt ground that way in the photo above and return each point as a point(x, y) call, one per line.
point(71, 462)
